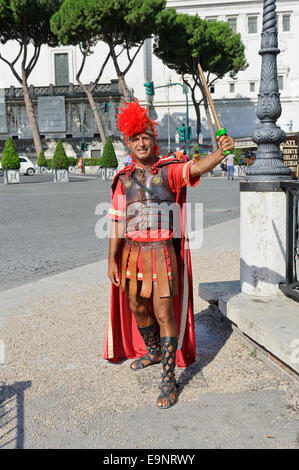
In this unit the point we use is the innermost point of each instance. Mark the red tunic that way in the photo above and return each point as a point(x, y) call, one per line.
point(123, 339)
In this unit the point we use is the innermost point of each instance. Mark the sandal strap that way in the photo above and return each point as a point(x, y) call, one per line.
point(141, 365)
point(168, 350)
point(151, 339)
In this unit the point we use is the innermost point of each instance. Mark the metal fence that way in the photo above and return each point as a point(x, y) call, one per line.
point(291, 285)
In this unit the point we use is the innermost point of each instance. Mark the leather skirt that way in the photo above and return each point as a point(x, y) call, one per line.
point(149, 262)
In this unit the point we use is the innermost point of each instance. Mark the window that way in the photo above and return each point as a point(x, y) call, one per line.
point(280, 82)
point(286, 22)
point(252, 24)
point(231, 87)
point(61, 69)
point(209, 19)
point(212, 89)
point(232, 24)
point(252, 86)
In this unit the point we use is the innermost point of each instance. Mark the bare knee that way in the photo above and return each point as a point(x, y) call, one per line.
point(137, 308)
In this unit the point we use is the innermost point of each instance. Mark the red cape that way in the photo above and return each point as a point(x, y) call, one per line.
point(123, 340)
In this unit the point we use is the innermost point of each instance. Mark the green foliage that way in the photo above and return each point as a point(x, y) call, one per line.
point(237, 153)
point(119, 22)
point(183, 40)
point(60, 160)
point(72, 161)
point(41, 161)
point(10, 157)
point(108, 159)
point(49, 163)
point(28, 21)
point(195, 149)
point(92, 161)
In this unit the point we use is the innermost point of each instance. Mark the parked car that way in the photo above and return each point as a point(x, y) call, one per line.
point(26, 168)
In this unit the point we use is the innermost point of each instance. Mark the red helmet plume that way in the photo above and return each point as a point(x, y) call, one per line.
point(134, 119)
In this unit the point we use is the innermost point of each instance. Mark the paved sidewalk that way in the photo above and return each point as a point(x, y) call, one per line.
point(58, 392)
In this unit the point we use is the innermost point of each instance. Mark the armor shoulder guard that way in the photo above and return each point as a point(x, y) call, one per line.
point(168, 160)
point(116, 177)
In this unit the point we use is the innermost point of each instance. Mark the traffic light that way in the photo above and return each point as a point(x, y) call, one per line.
point(189, 133)
point(106, 107)
point(150, 89)
point(83, 145)
point(182, 133)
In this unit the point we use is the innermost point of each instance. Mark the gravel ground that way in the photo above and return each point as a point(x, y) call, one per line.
point(56, 379)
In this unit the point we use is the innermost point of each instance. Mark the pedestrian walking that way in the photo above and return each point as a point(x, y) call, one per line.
point(185, 156)
point(230, 161)
point(223, 168)
point(80, 164)
point(149, 262)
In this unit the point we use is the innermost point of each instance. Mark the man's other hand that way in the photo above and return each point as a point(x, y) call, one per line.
point(113, 272)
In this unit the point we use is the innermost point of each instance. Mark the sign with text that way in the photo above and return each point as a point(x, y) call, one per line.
point(51, 114)
point(289, 150)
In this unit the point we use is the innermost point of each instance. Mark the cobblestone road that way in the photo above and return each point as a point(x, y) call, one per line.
point(47, 228)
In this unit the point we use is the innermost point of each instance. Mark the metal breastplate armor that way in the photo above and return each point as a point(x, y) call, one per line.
point(142, 211)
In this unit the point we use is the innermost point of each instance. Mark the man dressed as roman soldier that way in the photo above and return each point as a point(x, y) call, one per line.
point(149, 260)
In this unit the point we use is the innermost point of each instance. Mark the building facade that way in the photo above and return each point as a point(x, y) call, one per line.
point(235, 100)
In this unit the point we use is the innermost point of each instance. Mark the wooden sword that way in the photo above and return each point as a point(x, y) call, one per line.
point(220, 130)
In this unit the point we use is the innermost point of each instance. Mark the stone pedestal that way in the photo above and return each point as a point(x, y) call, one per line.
point(60, 175)
point(11, 176)
point(262, 240)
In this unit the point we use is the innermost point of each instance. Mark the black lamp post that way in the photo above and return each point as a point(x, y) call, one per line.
point(268, 165)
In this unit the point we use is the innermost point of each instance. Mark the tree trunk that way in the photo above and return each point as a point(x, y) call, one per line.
point(197, 111)
point(198, 119)
point(123, 87)
point(31, 115)
point(120, 77)
point(95, 111)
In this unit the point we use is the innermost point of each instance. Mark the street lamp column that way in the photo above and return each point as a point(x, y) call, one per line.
point(262, 202)
point(268, 165)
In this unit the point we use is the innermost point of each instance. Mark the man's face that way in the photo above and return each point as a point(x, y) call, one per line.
point(141, 145)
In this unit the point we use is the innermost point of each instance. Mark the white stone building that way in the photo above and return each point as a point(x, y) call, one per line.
point(235, 100)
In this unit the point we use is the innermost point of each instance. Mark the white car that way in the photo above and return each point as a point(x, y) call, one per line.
point(26, 168)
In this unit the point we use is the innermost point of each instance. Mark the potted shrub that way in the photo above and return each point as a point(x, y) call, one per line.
point(10, 163)
point(60, 164)
point(42, 163)
point(108, 160)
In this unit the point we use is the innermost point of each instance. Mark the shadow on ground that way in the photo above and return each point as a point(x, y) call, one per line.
point(12, 422)
point(212, 331)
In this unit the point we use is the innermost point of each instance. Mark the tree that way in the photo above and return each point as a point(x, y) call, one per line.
point(184, 40)
point(60, 159)
point(71, 26)
point(108, 159)
point(122, 24)
point(28, 23)
point(10, 157)
point(41, 161)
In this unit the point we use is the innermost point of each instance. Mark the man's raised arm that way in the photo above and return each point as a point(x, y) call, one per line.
point(209, 162)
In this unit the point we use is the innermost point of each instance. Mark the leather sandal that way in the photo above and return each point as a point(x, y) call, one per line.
point(168, 349)
point(151, 340)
